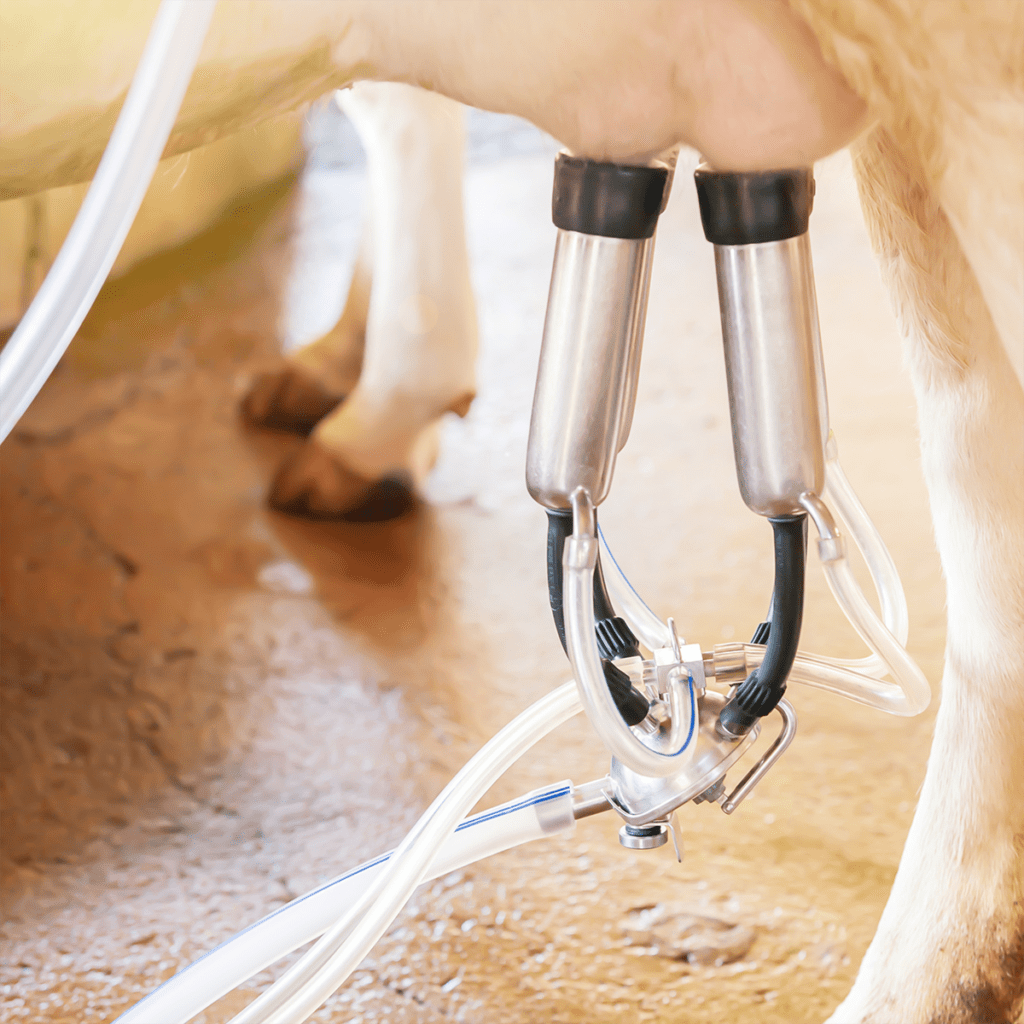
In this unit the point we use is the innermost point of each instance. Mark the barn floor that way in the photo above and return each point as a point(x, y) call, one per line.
point(209, 707)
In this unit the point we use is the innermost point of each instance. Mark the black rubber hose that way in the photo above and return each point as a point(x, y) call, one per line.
point(614, 637)
point(559, 529)
point(762, 690)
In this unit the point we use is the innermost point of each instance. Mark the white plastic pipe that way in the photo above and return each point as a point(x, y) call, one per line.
point(302, 989)
point(578, 562)
point(884, 574)
point(908, 693)
point(907, 696)
point(110, 205)
point(543, 813)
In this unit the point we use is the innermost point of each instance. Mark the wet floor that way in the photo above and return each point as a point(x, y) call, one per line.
point(210, 707)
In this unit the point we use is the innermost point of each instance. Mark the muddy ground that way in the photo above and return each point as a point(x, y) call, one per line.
point(209, 707)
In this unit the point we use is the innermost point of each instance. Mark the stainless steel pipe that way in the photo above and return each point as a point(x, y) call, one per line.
point(589, 364)
point(776, 380)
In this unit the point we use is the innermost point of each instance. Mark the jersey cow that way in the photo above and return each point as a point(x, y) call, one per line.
point(930, 98)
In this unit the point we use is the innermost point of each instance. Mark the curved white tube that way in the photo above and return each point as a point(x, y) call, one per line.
point(325, 967)
point(537, 815)
point(578, 562)
point(109, 207)
point(630, 605)
point(906, 697)
point(909, 693)
point(884, 574)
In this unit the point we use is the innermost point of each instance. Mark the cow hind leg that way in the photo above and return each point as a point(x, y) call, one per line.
point(421, 334)
point(950, 944)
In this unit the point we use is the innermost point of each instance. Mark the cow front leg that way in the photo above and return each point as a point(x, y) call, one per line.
point(950, 944)
point(421, 334)
point(317, 377)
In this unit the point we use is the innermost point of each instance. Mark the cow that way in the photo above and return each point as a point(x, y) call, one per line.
point(929, 97)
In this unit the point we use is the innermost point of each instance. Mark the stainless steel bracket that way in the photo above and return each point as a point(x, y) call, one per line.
point(771, 755)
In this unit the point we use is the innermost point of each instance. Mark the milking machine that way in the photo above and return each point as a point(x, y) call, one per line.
point(675, 717)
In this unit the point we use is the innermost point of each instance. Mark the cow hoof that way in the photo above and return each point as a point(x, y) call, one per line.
point(288, 399)
point(313, 484)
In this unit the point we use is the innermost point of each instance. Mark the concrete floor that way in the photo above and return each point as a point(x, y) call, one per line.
point(209, 707)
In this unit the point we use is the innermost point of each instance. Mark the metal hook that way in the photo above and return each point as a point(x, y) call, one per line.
point(677, 835)
point(676, 649)
point(771, 755)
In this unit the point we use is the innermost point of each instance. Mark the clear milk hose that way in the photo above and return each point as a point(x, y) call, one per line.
point(325, 967)
point(109, 207)
point(541, 814)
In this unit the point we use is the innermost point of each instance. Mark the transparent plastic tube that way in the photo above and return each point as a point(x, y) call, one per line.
point(109, 208)
point(578, 563)
point(813, 670)
point(909, 693)
point(325, 967)
point(543, 813)
point(630, 605)
point(886, 578)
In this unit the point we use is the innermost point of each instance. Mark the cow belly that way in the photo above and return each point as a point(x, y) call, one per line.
point(744, 83)
point(187, 195)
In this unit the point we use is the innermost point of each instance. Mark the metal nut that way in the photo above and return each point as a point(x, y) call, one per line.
point(644, 837)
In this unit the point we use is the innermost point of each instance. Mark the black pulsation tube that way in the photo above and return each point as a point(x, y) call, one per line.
point(614, 637)
point(758, 694)
point(611, 200)
point(754, 206)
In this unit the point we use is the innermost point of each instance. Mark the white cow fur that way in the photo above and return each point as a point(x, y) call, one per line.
point(931, 96)
point(950, 945)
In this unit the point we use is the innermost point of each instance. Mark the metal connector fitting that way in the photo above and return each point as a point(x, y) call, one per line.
point(590, 799)
point(644, 837)
point(730, 663)
point(831, 543)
